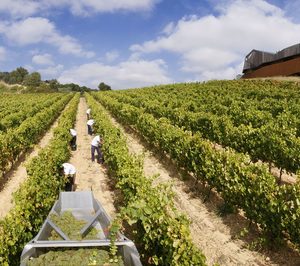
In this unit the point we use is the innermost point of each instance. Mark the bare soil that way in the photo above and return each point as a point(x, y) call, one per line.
point(90, 175)
point(216, 236)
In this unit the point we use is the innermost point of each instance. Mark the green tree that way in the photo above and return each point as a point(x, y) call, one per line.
point(104, 87)
point(33, 79)
point(53, 84)
point(18, 75)
point(4, 76)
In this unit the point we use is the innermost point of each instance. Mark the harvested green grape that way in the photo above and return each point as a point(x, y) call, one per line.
point(71, 227)
point(75, 257)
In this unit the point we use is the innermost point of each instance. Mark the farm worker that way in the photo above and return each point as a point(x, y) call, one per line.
point(73, 140)
point(69, 171)
point(88, 113)
point(96, 146)
point(90, 124)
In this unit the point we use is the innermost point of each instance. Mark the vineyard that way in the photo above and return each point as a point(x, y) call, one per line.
point(23, 122)
point(235, 139)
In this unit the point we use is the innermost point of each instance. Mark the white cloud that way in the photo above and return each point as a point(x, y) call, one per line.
point(51, 71)
point(127, 74)
point(111, 56)
point(42, 59)
point(169, 28)
point(210, 58)
point(228, 72)
point(2, 53)
point(19, 8)
point(40, 30)
point(83, 7)
point(29, 31)
point(23, 8)
point(217, 44)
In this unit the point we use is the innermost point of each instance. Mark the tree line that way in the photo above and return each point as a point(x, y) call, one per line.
point(34, 82)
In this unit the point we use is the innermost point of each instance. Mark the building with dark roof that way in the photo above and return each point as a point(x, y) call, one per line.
point(264, 64)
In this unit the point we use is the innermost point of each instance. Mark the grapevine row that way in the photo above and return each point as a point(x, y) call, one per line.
point(272, 140)
point(242, 184)
point(33, 106)
point(225, 97)
point(17, 140)
point(162, 233)
point(35, 197)
point(11, 103)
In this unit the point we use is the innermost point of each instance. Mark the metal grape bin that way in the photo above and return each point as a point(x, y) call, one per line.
point(85, 207)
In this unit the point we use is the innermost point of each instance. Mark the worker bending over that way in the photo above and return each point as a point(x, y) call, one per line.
point(69, 172)
point(73, 140)
point(96, 145)
point(90, 124)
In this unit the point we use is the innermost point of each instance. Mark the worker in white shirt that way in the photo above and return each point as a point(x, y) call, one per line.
point(73, 140)
point(69, 172)
point(90, 124)
point(96, 146)
point(88, 113)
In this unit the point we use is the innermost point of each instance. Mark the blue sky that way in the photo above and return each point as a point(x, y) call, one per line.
point(137, 43)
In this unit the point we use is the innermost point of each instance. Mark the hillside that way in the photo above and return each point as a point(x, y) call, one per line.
point(281, 78)
point(7, 88)
point(209, 159)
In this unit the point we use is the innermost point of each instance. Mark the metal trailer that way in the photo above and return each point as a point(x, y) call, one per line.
point(83, 206)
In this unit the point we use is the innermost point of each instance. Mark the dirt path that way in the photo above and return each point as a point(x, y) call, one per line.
point(18, 174)
point(210, 232)
point(90, 175)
